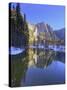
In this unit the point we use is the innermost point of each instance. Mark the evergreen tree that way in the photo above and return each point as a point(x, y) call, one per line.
point(19, 18)
point(25, 23)
point(18, 26)
point(18, 8)
point(26, 29)
point(13, 7)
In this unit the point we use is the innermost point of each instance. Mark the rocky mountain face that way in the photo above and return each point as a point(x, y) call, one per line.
point(47, 30)
point(46, 33)
point(60, 33)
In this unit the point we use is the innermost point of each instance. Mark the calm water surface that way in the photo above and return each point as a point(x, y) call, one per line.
point(38, 67)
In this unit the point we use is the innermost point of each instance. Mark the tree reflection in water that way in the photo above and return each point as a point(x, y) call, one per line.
point(18, 68)
point(38, 58)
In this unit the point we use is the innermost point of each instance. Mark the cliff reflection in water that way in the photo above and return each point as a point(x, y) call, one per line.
point(40, 58)
point(38, 67)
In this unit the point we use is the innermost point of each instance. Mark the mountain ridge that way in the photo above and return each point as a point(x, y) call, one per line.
point(44, 30)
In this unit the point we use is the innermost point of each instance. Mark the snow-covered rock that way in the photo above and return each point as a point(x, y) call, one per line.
point(14, 50)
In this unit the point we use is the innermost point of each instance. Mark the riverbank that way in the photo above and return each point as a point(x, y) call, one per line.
point(17, 50)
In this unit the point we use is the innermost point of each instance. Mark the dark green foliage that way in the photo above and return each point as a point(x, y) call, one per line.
point(19, 67)
point(18, 8)
point(18, 26)
point(25, 23)
point(13, 7)
point(26, 28)
point(19, 18)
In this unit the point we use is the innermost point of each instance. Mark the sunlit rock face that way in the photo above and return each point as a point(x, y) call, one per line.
point(43, 32)
point(47, 30)
point(31, 26)
point(32, 33)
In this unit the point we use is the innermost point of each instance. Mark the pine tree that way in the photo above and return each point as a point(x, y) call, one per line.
point(26, 29)
point(25, 23)
point(13, 7)
point(19, 18)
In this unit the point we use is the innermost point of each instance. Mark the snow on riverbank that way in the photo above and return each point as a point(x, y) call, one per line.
point(14, 50)
point(59, 48)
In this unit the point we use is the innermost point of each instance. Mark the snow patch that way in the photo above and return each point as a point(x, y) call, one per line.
point(14, 50)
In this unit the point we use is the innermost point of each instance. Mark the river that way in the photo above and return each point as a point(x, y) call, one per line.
point(36, 66)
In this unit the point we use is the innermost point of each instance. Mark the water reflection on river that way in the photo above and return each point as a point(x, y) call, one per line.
point(38, 67)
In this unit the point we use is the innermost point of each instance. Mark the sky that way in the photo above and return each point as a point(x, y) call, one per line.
point(51, 14)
